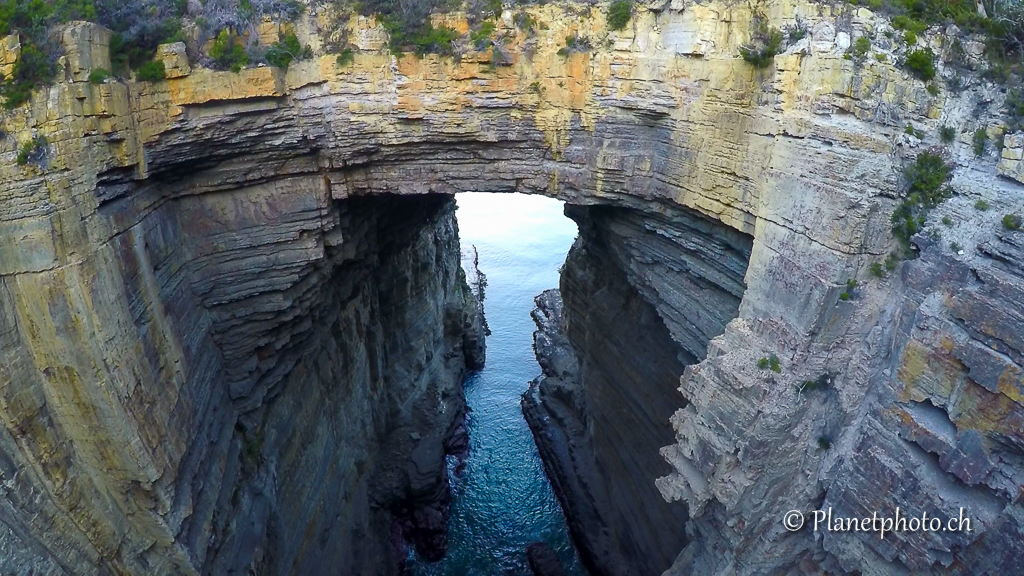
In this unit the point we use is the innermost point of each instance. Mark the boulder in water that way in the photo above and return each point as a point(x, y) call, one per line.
point(543, 560)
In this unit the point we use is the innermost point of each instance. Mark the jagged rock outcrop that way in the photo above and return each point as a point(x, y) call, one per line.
point(219, 352)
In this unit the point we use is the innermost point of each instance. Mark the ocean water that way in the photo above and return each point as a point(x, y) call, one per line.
point(502, 501)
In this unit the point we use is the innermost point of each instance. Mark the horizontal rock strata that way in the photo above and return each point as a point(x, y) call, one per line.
point(359, 325)
point(202, 365)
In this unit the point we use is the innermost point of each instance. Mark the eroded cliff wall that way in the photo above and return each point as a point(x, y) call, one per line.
point(295, 381)
point(643, 294)
point(128, 239)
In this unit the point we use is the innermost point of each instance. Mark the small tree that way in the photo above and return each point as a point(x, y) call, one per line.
point(922, 63)
point(227, 52)
point(980, 141)
point(766, 43)
point(283, 52)
point(619, 14)
point(152, 71)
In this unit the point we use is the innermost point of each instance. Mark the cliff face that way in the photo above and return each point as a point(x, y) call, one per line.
point(643, 294)
point(289, 370)
point(221, 351)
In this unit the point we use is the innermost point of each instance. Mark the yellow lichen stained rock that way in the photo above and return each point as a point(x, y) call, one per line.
point(175, 59)
point(10, 51)
point(86, 48)
point(204, 86)
point(1011, 162)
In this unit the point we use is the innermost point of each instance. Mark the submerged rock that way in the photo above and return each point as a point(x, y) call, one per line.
point(543, 560)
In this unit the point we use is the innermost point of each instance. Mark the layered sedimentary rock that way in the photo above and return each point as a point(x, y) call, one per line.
point(643, 294)
point(299, 364)
point(180, 297)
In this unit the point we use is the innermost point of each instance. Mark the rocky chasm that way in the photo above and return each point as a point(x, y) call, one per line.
point(233, 327)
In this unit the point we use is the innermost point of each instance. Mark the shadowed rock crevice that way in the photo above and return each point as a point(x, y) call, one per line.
point(310, 356)
point(640, 297)
point(353, 440)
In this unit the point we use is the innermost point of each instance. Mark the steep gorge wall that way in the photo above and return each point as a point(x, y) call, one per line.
point(640, 297)
point(125, 287)
point(307, 459)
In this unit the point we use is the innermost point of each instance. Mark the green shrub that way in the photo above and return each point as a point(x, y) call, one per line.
point(926, 187)
point(955, 247)
point(922, 63)
point(902, 22)
point(770, 363)
point(796, 32)
point(933, 89)
point(525, 22)
point(824, 443)
point(914, 131)
point(152, 71)
point(891, 262)
point(1012, 222)
point(490, 7)
point(876, 270)
point(32, 69)
point(283, 52)
point(947, 134)
point(981, 205)
point(345, 57)
point(910, 37)
point(980, 141)
point(135, 43)
point(575, 43)
point(880, 57)
point(860, 48)
point(99, 75)
point(619, 14)
point(767, 43)
point(482, 38)
point(32, 17)
point(946, 220)
point(227, 52)
point(425, 39)
point(1014, 105)
point(850, 292)
point(32, 151)
point(408, 22)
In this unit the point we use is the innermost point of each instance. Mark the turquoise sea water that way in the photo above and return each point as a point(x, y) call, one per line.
point(502, 501)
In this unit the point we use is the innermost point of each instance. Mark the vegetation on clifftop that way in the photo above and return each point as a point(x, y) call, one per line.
point(1002, 26)
point(30, 19)
point(408, 22)
point(139, 27)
